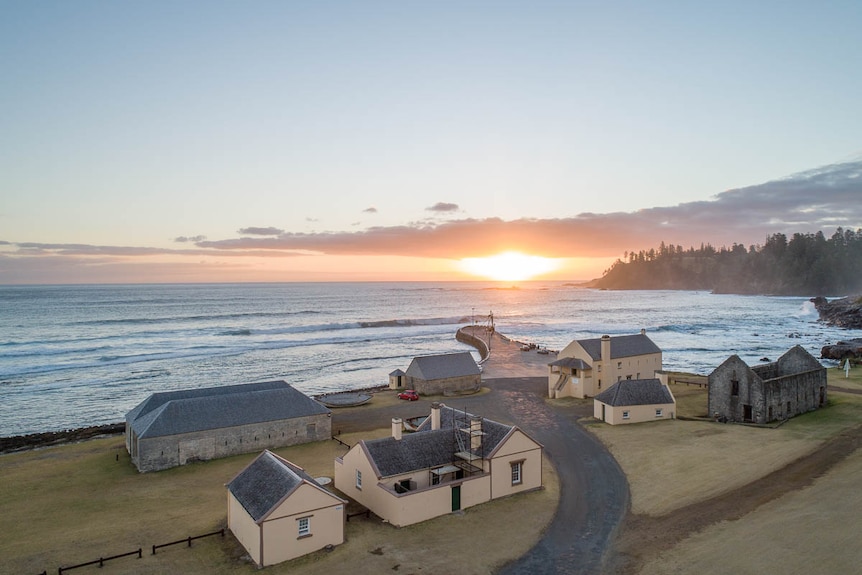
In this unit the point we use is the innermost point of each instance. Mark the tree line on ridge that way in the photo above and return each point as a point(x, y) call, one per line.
point(806, 264)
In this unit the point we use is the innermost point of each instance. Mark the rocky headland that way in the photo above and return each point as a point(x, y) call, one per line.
point(844, 312)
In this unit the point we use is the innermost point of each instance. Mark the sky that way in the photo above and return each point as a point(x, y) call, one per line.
point(359, 141)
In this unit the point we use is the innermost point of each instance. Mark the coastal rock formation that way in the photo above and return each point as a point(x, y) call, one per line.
point(844, 312)
point(851, 348)
point(33, 440)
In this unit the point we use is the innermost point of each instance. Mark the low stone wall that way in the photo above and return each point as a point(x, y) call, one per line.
point(465, 336)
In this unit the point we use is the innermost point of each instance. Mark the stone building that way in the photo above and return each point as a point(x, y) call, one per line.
point(794, 384)
point(175, 427)
point(448, 372)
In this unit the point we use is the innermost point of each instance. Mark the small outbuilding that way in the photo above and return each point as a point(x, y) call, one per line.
point(794, 384)
point(278, 512)
point(397, 379)
point(439, 374)
point(635, 401)
point(173, 428)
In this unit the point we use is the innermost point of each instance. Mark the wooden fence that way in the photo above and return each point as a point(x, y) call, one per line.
point(139, 552)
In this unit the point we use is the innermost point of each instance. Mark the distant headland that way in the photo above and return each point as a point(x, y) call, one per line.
point(804, 265)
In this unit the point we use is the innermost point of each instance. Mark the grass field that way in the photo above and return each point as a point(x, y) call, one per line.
point(673, 464)
point(75, 503)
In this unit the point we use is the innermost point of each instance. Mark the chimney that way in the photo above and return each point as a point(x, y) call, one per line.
point(435, 416)
point(475, 433)
point(606, 349)
point(643, 331)
point(396, 428)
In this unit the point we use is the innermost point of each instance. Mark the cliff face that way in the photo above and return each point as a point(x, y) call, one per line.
point(844, 312)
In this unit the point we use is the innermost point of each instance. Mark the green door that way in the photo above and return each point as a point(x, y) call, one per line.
point(456, 498)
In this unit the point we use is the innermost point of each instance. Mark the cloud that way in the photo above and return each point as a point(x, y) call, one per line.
point(442, 207)
point(371, 210)
point(260, 231)
point(820, 199)
point(189, 239)
point(816, 200)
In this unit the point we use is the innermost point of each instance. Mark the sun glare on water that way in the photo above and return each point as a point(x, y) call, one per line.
point(509, 266)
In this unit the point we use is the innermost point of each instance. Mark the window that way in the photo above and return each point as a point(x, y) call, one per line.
point(619, 365)
point(304, 526)
point(734, 387)
point(659, 412)
point(516, 472)
point(625, 415)
point(358, 479)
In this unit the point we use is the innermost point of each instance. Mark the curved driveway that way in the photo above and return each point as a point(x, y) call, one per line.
point(593, 489)
point(594, 494)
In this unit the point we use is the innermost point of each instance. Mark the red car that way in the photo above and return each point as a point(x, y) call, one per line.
point(409, 395)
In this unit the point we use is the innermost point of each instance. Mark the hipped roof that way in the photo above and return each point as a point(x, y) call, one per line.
point(266, 482)
point(187, 411)
point(628, 392)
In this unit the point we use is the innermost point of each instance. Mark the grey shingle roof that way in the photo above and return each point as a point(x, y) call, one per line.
point(413, 452)
point(621, 346)
point(428, 448)
point(443, 366)
point(265, 482)
point(186, 411)
point(635, 392)
point(571, 362)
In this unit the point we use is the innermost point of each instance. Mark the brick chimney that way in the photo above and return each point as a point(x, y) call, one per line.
point(397, 426)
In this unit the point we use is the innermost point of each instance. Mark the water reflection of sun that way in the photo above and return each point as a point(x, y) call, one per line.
point(509, 266)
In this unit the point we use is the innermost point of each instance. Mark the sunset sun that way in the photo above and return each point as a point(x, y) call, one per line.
point(508, 266)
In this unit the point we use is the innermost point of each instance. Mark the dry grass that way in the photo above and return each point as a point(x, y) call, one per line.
point(71, 504)
point(671, 464)
point(810, 531)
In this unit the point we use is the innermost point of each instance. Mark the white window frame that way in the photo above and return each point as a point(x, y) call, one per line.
point(626, 415)
point(303, 525)
point(358, 480)
point(659, 412)
point(517, 472)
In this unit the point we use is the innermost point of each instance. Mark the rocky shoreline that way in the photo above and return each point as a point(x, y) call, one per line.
point(34, 440)
point(845, 312)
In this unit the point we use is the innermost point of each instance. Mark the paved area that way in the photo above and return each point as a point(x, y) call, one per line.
point(594, 494)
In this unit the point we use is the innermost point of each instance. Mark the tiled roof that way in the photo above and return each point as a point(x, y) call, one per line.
point(429, 367)
point(635, 392)
point(621, 346)
point(265, 482)
point(428, 448)
point(187, 411)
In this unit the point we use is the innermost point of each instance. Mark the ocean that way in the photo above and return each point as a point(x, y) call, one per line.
point(75, 356)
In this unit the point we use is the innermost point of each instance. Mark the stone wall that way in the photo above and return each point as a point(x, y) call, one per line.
point(445, 385)
point(165, 452)
point(756, 399)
